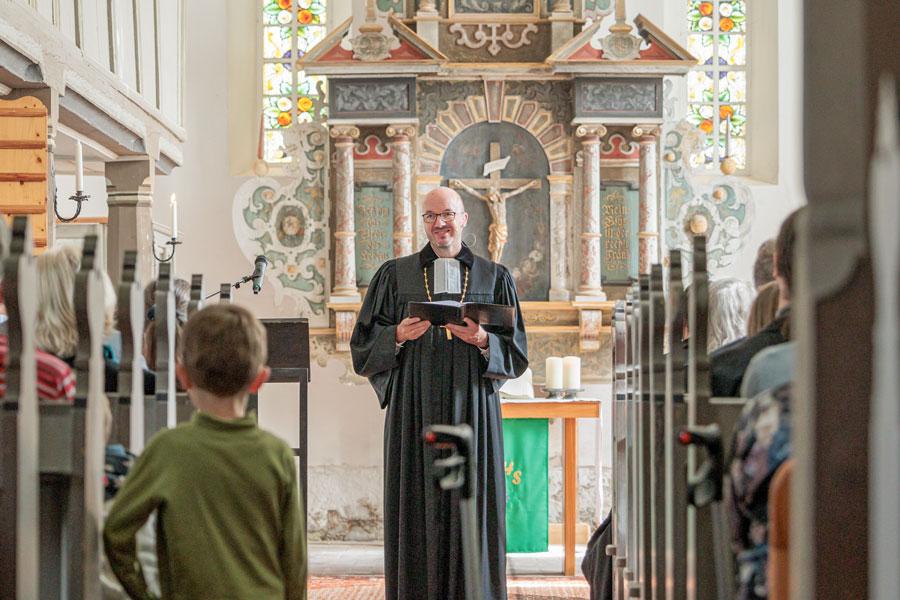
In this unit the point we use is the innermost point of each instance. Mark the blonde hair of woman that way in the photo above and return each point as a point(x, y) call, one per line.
point(763, 309)
point(57, 330)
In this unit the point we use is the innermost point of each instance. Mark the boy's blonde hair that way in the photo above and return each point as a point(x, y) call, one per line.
point(224, 347)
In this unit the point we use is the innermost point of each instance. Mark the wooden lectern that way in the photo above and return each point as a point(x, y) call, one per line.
point(288, 345)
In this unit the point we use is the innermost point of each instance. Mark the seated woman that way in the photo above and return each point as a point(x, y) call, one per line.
point(55, 381)
point(182, 292)
point(763, 309)
point(729, 304)
point(761, 443)
point(56, 329)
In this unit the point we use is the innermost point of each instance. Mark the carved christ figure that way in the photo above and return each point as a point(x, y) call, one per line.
point(496, 201)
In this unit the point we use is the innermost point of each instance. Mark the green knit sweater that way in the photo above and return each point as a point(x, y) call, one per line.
point(229, 525)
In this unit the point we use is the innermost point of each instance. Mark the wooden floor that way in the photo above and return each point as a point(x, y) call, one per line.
point(519, 588)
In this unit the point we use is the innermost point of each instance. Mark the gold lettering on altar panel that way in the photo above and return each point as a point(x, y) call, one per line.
point(373, 243)
point(615, 232)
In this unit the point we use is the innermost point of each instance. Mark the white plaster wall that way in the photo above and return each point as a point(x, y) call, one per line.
point(780, 131)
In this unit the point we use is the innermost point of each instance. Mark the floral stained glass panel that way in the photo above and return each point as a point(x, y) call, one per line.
point(276, 42)
point(277, 79)
point(290, 28)
point(717, 88)
point(702, 47)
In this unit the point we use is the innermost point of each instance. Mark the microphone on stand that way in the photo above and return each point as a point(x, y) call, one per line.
point(259, 271)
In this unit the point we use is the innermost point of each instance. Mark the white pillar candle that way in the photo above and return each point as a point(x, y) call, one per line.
point(554, 377)
point(174, 204)
point(571, 373)
point(79, 168)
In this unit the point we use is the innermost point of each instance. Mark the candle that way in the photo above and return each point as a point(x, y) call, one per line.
point(554, 377)
point(79, 168)
point(174, 204)
point(571, 373)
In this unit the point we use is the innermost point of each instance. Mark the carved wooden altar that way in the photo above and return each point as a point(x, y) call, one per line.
point(551, 137)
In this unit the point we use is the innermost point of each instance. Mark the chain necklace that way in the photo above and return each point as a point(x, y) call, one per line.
point(462, 298)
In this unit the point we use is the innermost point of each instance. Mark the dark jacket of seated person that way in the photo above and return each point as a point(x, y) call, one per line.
point(729, 363)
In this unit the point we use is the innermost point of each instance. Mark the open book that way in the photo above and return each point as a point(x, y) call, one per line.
point(449, 311)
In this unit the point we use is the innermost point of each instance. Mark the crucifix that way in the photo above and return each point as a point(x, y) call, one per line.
point(495, 197)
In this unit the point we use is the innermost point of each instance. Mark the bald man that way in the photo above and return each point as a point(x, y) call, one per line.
point(424, 377)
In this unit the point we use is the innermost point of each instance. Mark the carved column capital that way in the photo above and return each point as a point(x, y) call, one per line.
point(404, 130)
point(344, 131)
point(590, 132)
point(646, 132)
point(561, 6)
point(428, 7)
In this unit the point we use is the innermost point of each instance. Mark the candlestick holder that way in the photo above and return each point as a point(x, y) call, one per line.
point(553, 393)
point(174, 242)
point(571, 394)
point(78, 198)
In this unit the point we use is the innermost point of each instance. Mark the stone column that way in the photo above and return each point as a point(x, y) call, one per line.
point(130, 226)
point(562, 23)
point(648, 220)
point(344, 231)
point(590, 287)
point(560, 193)
point(427, 20)
point(403, 232)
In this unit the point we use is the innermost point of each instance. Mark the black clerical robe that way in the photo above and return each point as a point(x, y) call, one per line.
point(428, 381)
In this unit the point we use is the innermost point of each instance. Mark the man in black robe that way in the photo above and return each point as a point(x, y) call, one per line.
point(426, 375)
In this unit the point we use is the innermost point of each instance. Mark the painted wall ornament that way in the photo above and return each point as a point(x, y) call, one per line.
point(721, 210)
point(287, 221)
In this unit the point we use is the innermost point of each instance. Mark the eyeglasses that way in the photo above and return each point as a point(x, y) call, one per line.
point(447, 216)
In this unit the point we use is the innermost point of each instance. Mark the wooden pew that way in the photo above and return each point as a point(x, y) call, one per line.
point(664, 548)
point(632, 441)
point(196, 302)
point(128, 404)
point(19, 429)
point(71, 456)
point(658, 433)
point(164, 310)
point(225, 292)
point(617, 550)
point(707, 534)
point(675, 454)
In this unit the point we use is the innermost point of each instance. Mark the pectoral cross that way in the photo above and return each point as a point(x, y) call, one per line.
point(496, 198)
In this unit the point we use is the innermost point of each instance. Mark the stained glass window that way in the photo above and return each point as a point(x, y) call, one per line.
point(717, 87)
point(289, 29)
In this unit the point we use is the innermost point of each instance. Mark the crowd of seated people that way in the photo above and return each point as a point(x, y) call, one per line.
point(761, 369)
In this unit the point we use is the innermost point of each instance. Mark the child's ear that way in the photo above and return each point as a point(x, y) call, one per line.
point(182, 375)
point(261, 378)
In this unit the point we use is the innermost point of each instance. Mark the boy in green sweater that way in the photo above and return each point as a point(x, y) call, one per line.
point(229, 523)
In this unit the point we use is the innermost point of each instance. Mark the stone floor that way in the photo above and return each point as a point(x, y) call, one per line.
point(345, 558)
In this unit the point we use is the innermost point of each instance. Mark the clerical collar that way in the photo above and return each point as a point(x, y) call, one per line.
point(427, 256)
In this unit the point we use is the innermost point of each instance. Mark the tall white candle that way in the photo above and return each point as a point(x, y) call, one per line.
point(174, 204)
point(79, 168)
point(571, 373)
point(554, 368)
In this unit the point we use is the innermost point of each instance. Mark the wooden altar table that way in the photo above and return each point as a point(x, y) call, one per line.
point(569, 411)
